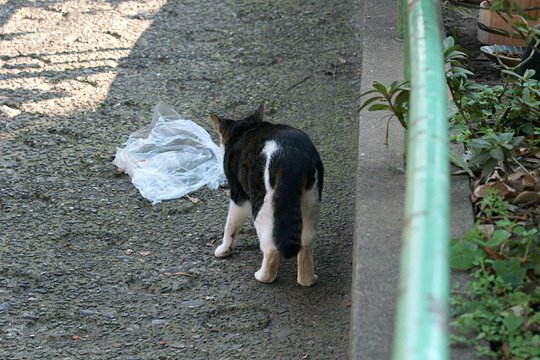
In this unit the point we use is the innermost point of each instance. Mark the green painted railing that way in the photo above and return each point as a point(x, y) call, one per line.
point(421, 325)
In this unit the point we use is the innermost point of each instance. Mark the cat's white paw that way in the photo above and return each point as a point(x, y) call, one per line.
point(308, 280)
point(222, 251)
point(265, 276)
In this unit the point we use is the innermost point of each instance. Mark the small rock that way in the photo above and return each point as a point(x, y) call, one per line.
point(87, 312)
point(38, 291)
point(283, 333)
point(193, 303)
point(159, 322)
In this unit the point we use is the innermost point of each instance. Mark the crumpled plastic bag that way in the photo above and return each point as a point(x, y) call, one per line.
point(170, 157)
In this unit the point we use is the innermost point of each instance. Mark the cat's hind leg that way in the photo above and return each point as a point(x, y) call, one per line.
point(310, 218)
point(264, 224)
point(236, 217)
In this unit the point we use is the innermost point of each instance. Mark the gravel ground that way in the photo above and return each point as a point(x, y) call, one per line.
point(91, 270)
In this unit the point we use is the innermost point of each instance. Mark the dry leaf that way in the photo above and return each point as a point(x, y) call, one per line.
point(487, 230)
point(529, 182)
point(181, 273)
point(144, 253)
point(526, 197)
point(495, 176)
point(193, 199)
point(516, 185)
point(506, 351)
point(503, 189)
point(495, 255)
point(517, 175)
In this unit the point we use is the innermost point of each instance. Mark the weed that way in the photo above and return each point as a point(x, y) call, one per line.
point(493, 204)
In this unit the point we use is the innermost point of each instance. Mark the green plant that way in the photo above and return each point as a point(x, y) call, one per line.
point(491, 121)
point(498, 314)
point(496, 317)
point(394, 98)
point(499, 126)
point(493, 204)
point(457, 77)
point(491, 148)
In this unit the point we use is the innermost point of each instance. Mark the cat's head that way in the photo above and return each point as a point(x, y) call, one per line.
point(226, 127)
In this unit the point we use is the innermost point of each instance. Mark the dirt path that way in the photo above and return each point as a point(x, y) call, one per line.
point(91, 270)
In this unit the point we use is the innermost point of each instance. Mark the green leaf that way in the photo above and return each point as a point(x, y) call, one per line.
point(377, 107)
point(367, 93)
point(448, 42)
point(458, 161)
point(498, 237)
point(460, 70)
point(497, 153)
point(510, 271)
point(529, 73)
point(526, 95)
point(464, 255)
point(489, 166)
point(393, 87)
point(369, 101)
point(380, 88)
point(480, 157)
point(479, 144)
point(517, 140)
point(506, 137)
point(402, 99)
point(520, 231)
point(512, 322)
point(535, 319)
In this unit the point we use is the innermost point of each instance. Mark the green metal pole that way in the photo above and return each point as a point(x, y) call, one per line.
point(403, 28)
point(421, 328)
point(404, 22)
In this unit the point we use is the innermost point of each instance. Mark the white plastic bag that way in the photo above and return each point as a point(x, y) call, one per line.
point(171, 157)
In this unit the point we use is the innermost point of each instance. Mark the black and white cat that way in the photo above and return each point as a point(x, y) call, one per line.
point(275, 173)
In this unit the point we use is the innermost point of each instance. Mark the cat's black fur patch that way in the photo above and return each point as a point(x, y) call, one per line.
point(292, 169)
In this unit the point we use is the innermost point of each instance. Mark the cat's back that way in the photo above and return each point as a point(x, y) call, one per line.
point(289, 141)
point(286, 148)
point(290, 156)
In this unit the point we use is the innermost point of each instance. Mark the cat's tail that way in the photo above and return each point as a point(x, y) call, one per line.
point(288, 218)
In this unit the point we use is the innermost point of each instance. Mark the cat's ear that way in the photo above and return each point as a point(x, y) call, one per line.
point(221, 125)
point(259, 114)
point(215, 120)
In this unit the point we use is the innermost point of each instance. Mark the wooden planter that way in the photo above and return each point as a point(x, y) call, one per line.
point(492, 29)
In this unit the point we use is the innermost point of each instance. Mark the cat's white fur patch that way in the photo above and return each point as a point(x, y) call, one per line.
point(270, 147)
point(222, 150)
point(264, 223)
